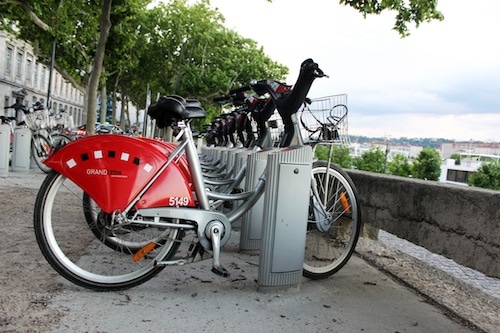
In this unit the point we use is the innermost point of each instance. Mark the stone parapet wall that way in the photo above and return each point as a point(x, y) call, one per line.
point(459, 222)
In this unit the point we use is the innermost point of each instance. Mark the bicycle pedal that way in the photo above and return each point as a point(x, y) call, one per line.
point(221, 271)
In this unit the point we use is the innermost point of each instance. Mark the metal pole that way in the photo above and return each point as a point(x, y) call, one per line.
point(52, 60)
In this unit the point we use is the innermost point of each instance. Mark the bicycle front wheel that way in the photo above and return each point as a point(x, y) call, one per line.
point(59, 140)
point(73, 250)
point(334, 222)
point(40, 150)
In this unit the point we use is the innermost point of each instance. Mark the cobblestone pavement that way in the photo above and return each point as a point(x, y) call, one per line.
point(489, 285)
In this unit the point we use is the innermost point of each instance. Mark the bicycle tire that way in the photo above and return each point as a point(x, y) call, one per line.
point(71, 248)
point(40, 150)
point(331, 243)
point(59, 140)
point(124, 241)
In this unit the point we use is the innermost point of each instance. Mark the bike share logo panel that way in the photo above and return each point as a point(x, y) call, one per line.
point(111, 154)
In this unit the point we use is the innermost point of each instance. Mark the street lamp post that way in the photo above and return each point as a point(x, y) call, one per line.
point(52, 60)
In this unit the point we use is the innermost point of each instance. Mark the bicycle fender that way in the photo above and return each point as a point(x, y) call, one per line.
point(113, 169)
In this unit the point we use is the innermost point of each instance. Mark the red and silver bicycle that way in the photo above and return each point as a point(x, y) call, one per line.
point(152, 197)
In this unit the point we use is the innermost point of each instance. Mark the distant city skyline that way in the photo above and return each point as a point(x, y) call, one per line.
point(442, 81)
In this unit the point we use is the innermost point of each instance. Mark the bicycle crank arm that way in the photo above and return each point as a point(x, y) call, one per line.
point(215, 231)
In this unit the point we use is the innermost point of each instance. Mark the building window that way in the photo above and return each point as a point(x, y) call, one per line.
point(8, 59)
point(6, 102)
point(19, 64)
point(29, 68)
point(43, 84)
point(457, 176)
point(35, 78)
point(8, 112)
point(54, 84)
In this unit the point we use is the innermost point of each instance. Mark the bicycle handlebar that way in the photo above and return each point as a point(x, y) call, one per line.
point(239, 90)
point(17, 106)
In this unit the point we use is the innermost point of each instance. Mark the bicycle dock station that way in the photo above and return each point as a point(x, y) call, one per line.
point(275, 226)
point(165, 204)
point(21, 160)
point(251, 222)
point(4, 149)
point(284, 220)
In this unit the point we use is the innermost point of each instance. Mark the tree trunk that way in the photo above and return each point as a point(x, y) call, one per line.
point(114, 103)
point(97, 66)
point(127, 112)
point(104, 104)
point(114, 107)
point(122, 112)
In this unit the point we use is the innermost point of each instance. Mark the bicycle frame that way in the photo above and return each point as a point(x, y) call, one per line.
point(135, 178)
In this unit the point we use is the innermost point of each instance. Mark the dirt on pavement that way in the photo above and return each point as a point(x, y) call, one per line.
point(26, 282)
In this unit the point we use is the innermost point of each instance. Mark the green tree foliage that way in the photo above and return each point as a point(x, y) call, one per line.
point(373, 160)
point(399, 166)
point(414, 11)
point(79, 29)
point(456, 157)
point(184, 49)
point(175, 47)
point(340, 155)
point(487, 176)
point(427, 165)
point(193, 54)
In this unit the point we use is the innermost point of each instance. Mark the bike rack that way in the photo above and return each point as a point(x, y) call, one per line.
point(251, 222)
point(4, 150)
point(284, 224)
point(21, 150)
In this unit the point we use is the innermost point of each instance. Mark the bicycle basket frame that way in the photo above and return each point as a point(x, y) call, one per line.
point(324, 119)
point(37, 120)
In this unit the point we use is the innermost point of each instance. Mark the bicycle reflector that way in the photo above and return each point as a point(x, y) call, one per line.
point(344, 202)
point(144, 251)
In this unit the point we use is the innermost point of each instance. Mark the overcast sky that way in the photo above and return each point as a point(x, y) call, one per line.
point(441, 81)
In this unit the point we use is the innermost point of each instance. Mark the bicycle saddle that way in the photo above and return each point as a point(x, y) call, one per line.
point(173, 107)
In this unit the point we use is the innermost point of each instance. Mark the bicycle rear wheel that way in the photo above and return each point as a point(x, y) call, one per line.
point(125, 239)
point(334, 222)
point(74, 251)
point(40, 150)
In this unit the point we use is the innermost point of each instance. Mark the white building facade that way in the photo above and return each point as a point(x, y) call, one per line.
point(25, 80)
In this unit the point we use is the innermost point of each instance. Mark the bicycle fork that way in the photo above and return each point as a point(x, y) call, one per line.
point(323, 222)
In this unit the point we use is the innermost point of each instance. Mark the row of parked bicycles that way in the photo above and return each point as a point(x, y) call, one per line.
point(116, 210)
point(49, 131)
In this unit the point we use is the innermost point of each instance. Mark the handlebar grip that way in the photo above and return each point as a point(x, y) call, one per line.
point(221, 98)
point(239, 90)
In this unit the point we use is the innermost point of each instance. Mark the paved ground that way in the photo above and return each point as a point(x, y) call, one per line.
point(382, 289)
